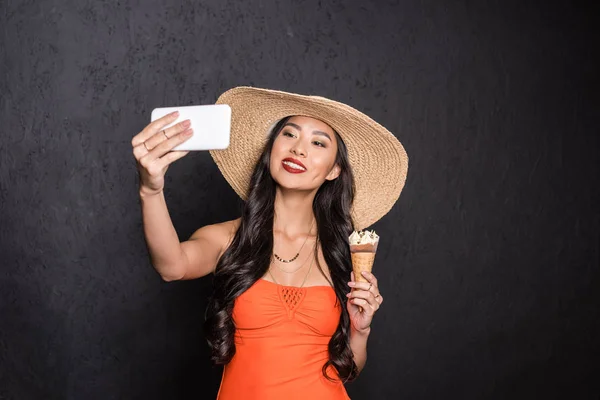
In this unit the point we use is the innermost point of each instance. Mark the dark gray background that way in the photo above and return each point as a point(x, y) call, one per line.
point(489, 261)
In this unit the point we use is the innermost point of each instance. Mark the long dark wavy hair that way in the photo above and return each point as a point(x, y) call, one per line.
point(248, 257)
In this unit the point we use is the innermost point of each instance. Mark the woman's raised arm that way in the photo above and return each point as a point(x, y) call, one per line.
point(173, 260)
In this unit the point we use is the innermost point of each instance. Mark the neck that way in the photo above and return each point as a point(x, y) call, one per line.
point(293, 212)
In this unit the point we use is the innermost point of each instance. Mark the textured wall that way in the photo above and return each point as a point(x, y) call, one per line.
point(489, 260)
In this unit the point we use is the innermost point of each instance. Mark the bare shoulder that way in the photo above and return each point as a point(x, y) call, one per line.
point(220, 234)
point(206, 245)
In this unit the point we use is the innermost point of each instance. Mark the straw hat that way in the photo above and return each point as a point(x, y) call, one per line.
point(379, 162)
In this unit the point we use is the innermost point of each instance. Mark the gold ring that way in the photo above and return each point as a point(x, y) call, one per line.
point(378, 296)
point(163, 131)
point(146, 146)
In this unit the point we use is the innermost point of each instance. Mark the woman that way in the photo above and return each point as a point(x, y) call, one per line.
point(281, 317)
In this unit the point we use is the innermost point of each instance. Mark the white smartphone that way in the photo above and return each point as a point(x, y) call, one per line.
point(211, 124)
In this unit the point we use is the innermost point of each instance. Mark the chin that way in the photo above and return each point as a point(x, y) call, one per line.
point(288, 184)
point(288, 181)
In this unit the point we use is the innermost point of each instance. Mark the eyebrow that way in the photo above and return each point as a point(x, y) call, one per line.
point(320, 133)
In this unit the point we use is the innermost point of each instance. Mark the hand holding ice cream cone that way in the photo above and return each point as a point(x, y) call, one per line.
point(364, 297)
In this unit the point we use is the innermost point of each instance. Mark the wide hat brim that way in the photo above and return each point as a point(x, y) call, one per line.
point(379, 161)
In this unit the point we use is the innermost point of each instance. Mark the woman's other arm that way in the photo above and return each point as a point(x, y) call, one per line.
point(358, 344)
point(362, 306)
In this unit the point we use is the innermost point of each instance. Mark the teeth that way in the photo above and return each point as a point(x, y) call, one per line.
point(295, 166)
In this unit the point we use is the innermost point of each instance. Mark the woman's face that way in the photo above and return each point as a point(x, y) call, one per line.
point(303, 154)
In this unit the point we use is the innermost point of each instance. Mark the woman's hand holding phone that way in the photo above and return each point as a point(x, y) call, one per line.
point(152, 151)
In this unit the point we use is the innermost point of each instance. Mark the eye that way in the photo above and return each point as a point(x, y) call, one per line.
point(288, 134)
point(319, 143)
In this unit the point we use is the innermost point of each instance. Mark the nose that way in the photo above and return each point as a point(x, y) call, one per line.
point(298, 150)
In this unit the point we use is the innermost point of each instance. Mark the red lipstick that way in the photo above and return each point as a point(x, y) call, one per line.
point(285, 163)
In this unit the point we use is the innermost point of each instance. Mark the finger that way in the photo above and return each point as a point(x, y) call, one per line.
point(171, 157)
point(368, 307)
point(352, 307)
point(166, 134)
point(370, 277)
point(175, 129)
point(153, 127)
point(362, 294)
point(360, 285)
point(167, 145)
point(368, 296)
point(372, 302)
point(139, 151)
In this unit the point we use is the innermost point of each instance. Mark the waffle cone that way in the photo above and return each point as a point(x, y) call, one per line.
point(362, 261)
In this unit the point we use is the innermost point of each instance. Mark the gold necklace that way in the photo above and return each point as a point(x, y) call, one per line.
point(298, 253)
point(297, 269)
point(306, 276)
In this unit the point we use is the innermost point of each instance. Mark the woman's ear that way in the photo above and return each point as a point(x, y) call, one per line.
point(334, 173)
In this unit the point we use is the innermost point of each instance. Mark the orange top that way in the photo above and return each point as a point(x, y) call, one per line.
point(281, 339)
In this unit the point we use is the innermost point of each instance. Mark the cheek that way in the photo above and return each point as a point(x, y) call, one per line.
point(272, 161)
point(275, 150)
point(324, 165)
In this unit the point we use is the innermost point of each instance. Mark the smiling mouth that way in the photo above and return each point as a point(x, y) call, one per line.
point(292, 167)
